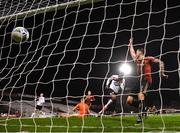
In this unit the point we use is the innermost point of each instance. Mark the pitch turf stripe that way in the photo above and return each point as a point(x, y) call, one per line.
point(93, 127)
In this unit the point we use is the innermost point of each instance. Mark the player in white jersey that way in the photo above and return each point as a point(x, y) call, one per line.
point(113, 85)
point(40, 102)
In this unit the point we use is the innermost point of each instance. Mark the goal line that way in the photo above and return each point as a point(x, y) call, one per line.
point(47, 9)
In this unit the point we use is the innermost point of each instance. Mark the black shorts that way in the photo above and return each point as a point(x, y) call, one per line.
point(140, 86)
point(38, 107)
point(109, 92)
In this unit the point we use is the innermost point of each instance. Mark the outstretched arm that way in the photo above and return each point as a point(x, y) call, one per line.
point(76, 107)
point(131, 48)
point(161, 66)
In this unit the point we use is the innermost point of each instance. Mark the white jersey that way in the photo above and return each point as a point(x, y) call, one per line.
point(114, 84)
point(40, 101)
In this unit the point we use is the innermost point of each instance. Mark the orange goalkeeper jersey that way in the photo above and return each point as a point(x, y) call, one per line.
point(83, 108)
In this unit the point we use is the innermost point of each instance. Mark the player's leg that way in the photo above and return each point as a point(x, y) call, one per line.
point(146, 86)
point(66, 115)
point(141, 106)
point(141, 97)
point(113, 104)
point(109, 102)
point(34, 113)
point(132, 101)
point(106, 106)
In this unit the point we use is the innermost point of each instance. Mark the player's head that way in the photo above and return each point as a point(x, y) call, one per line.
point(120, 75)
point(82, 100)
point(140, 52)
point(41, 95)
point(89, 92)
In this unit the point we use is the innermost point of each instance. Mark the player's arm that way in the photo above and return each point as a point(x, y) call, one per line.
point(88, 112)
point(76, 107)
point(92, 98)
point(109, 81)
point(123, 84)
point(131, 48)
point(161, 66)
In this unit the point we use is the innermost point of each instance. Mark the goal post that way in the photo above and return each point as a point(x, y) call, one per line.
point(60, 6)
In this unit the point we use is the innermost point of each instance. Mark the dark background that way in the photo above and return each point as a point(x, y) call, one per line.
point(76, 49)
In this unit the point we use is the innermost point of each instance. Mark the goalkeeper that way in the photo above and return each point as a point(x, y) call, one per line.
point(113, 85)
point(144, 78)
point(82, 107)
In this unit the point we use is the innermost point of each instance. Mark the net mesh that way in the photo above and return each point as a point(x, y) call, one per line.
point(75, 46)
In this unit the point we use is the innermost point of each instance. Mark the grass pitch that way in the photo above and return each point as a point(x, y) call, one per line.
point(159, 123)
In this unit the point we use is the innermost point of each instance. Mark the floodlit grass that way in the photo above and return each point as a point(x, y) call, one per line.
point(92, 124)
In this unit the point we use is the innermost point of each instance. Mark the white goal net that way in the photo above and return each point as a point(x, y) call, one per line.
point(75, 46)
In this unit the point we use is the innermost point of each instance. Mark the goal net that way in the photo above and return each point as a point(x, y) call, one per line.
point(74, 47)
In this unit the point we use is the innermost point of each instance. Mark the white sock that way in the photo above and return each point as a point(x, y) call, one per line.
point(32, 115)
point(105, 107)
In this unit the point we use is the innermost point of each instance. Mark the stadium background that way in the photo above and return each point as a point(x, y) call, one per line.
point(45, 29)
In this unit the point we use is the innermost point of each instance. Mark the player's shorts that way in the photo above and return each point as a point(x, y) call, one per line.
point(140, 86)
point(110, 92)
point(38, 107)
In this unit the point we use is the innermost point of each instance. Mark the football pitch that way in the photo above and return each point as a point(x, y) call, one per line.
point(165, 123)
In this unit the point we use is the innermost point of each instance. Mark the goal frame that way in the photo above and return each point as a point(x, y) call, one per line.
point(30, 13)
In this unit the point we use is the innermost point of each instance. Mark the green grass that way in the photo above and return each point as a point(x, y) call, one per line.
point(92, 124)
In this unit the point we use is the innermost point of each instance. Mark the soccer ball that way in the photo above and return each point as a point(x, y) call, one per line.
point(20, 34)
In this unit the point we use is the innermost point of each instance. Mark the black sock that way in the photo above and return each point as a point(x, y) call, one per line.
point(144, 106)
point(141, 108)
